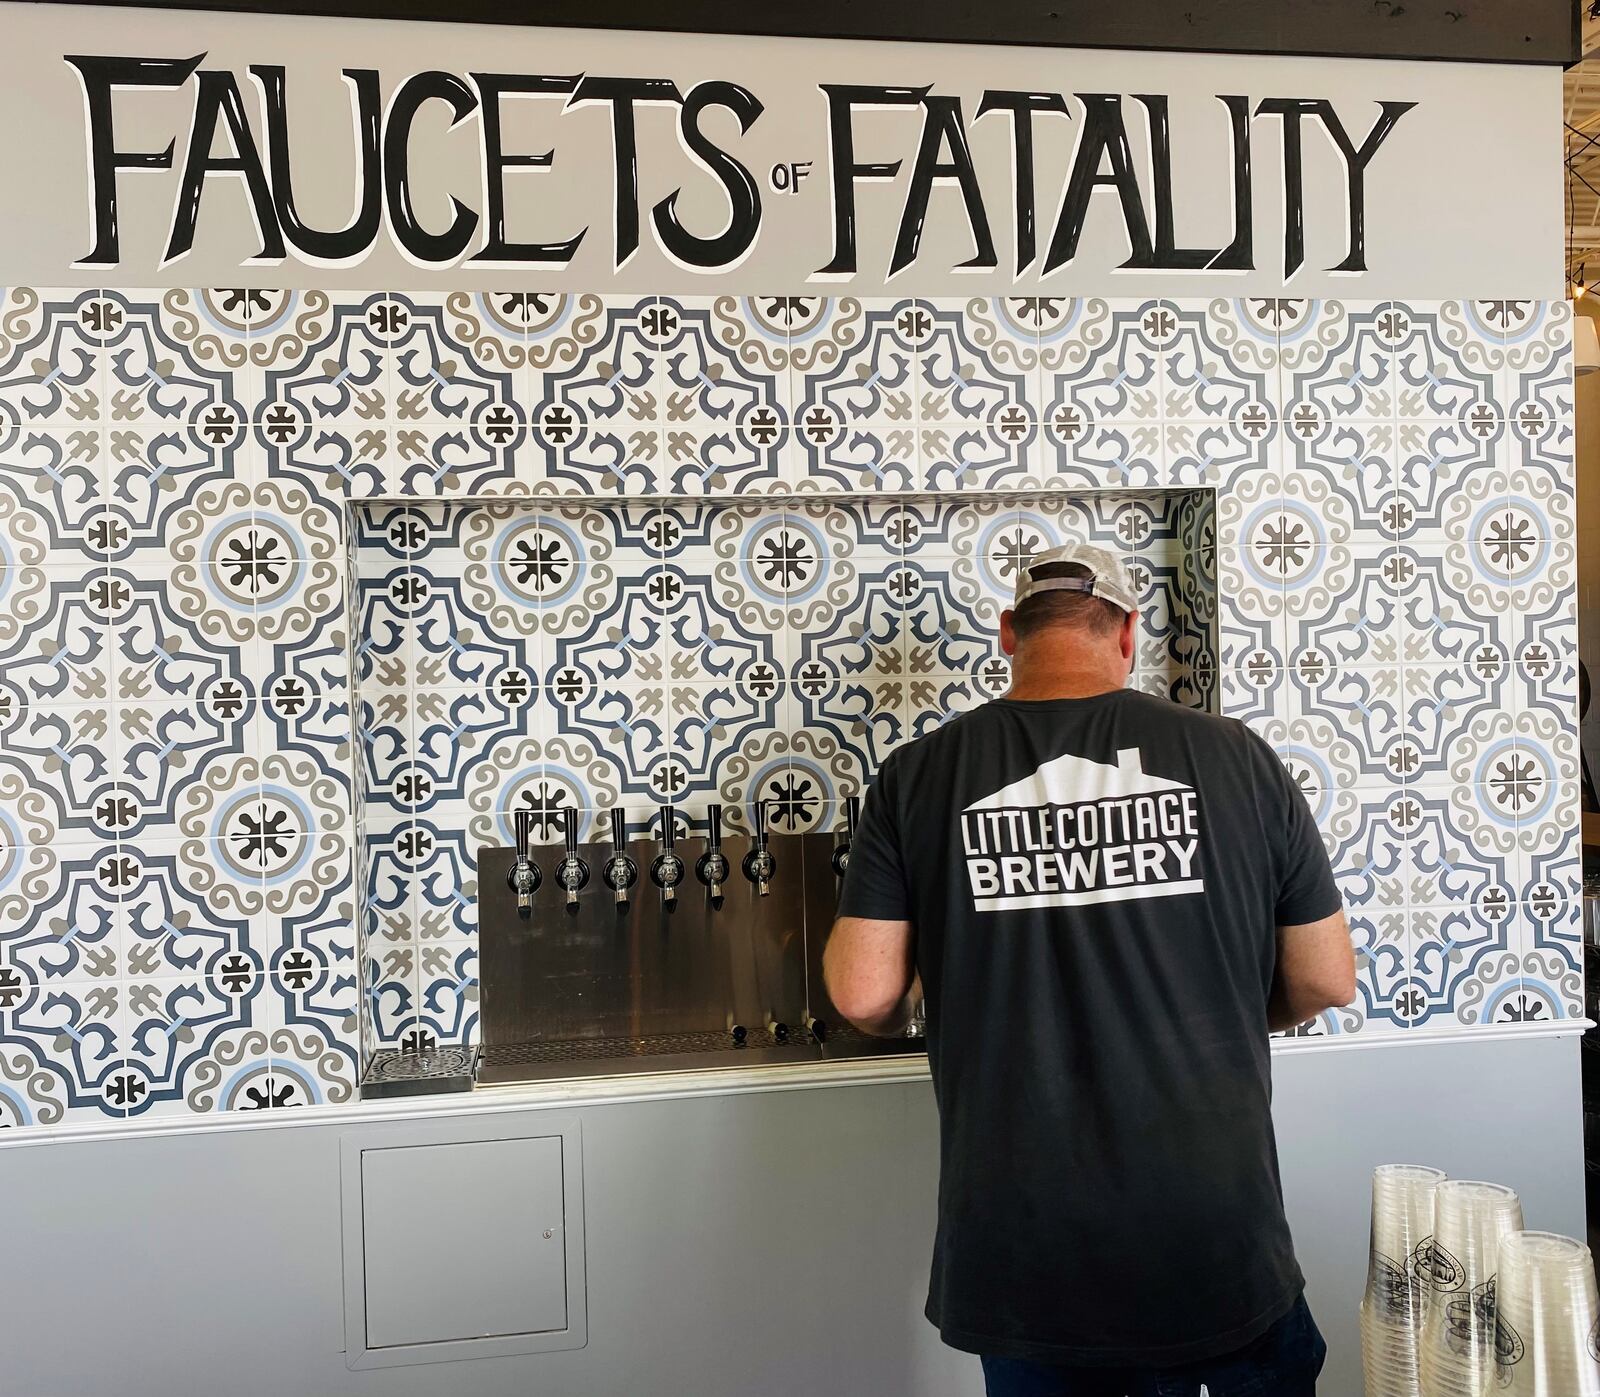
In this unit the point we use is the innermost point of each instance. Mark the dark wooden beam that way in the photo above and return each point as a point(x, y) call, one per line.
point(1490, 31)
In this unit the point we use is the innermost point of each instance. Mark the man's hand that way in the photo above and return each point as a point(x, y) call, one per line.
point(870, 970)
point(1316, 970)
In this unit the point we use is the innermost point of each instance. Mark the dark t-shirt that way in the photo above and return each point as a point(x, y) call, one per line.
point(1095, 886)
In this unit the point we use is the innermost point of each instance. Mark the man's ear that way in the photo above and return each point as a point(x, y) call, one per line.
point(1008, 632)
point(1130, 634)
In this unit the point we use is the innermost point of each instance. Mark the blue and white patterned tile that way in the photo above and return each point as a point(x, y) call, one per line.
point(1255, 554)
point(1536, 385)
point(1219, 393)
point(847, 719)
point(1552, 955)
point(312, 1007)
point(32, 1093)
point(51, 368)
point(1348, 609)
point(1448, 356)
point(1433, 465)
point(177, 922)
point(1444, 706)
point(977, 395)
point(1464, 963)
point(1339, 368)
point(171, 757)
point(1389, 999)
point(932, 700)
point(61, 917)
point(951, 625)
point(714, 727)
point(59, 774)
point(1103, 414)
point(1254, 336)
point(824, 765)
point(856, 407)
point(389, 988)
point(453, 732)
point(595, 422)
point(313, 1041)
point(546, 779)
point(1365, 703)
point(458, 393)
point(183, 1034)
point(724, 400)
point(52, 423)
point(64, 1051)
point(447, 990)
point(445, 882)
point(177, 417)
point(323, 411)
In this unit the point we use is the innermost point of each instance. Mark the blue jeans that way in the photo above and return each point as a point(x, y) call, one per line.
point(1283, 1362)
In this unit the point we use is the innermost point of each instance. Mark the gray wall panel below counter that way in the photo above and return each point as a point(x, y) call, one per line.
point(773, 1242)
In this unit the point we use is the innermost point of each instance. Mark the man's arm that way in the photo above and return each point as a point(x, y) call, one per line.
point(1316, 970)
point(869, 967)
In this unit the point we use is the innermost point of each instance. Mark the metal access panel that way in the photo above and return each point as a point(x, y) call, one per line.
point(514, 1244)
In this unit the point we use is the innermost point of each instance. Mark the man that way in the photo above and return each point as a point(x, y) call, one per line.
point(1109, 901)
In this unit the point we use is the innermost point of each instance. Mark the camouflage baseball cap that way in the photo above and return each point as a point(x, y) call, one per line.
point(1107, 578)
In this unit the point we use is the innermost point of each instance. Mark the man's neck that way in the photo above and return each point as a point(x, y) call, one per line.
point(1062, 678)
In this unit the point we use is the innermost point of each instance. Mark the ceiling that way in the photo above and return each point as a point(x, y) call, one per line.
point(1583, 152)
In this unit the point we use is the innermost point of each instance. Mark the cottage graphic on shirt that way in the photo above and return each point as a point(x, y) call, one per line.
point(1078, 831)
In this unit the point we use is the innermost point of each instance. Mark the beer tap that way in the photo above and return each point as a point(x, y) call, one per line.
point(524, 879)
point(759, 865)
point(572, 873)
point(621, 872)
point(712, 868)
point(667, 871)
point(841, 850)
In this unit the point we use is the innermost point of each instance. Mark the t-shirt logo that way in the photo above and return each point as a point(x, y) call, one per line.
point(1078, 831)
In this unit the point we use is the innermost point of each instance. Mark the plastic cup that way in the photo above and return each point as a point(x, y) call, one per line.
point(1457, 1353)
point(1547, 1313)
point(1391, 1312)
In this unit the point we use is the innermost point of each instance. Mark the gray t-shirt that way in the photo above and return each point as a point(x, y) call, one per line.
point(1095, 886)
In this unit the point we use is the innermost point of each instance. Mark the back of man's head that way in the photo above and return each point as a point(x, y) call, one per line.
point(1092, 616)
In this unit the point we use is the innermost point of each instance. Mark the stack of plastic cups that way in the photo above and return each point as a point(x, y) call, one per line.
point(1391, 1313)
point(1547, 1314)
point(1470, 1221)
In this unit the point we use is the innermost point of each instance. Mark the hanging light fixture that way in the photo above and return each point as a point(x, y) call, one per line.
point(1585, 344)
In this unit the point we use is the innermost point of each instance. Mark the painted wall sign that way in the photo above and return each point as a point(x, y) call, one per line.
point(227, 147)
point(384, 194)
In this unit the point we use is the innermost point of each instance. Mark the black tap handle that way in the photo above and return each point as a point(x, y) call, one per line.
point(759, 864)
point(569, 822)
point(619, 829)
point(523, 879)
point(841, 850)
point(669, 829)
point(712, 867)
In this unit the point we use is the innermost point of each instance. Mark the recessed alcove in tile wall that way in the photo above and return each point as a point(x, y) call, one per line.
point(521, 655)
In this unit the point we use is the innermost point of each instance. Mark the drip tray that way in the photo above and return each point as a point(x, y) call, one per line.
point(546, 1059)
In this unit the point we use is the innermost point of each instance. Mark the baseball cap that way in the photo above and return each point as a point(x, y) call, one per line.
point(1107, 578)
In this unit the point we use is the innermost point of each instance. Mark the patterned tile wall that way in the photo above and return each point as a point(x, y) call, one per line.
point(181, 787)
